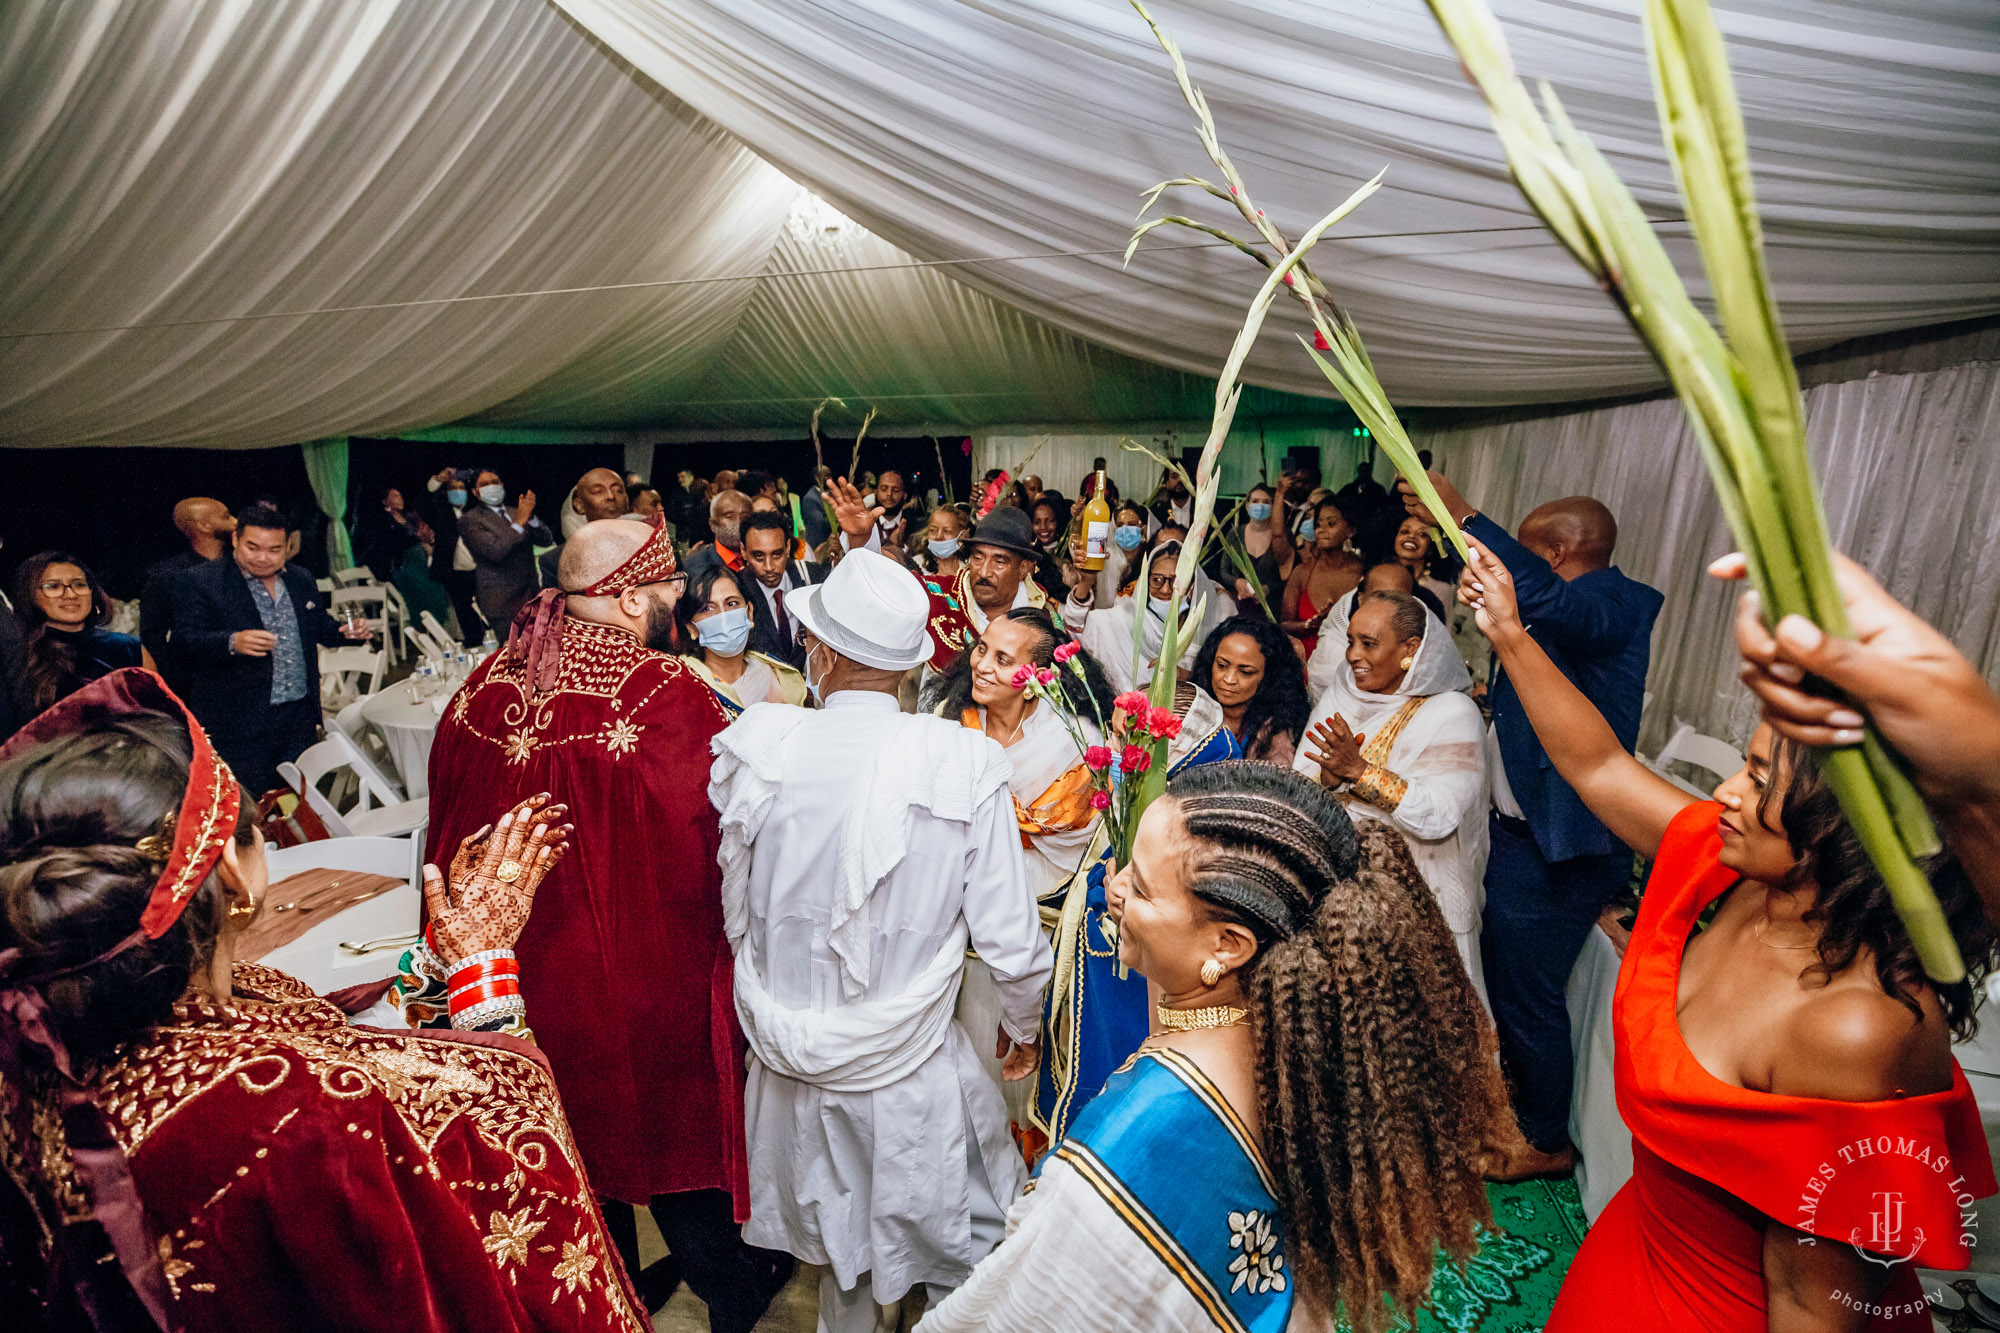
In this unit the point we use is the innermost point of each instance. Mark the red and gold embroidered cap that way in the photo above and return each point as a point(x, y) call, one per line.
point(651, 563)
point(207, 818)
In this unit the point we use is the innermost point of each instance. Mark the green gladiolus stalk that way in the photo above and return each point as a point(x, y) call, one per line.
point(1739, 385)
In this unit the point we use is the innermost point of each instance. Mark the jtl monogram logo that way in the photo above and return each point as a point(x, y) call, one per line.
point(1885, 1232)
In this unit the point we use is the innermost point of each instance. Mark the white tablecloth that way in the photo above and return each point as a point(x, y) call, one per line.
point(407, 724)
point(1595, 1127)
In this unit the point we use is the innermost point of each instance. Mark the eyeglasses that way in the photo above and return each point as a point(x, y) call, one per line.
point(74, 585)
point(1161, 583)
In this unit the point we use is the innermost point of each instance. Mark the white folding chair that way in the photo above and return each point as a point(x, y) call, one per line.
point(367, 604)
point(369, 753)
point(396, 615)
point(375, 812)
point(324, 585)
point(360, 943)
point(355, 576)
point(442, 637)
point(1687, 746)
point(349, 674)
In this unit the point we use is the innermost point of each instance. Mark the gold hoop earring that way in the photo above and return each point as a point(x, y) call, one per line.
point(239, 913)
point(1211, 972)
point(1409, 662)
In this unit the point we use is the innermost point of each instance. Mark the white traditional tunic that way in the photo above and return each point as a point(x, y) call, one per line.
point(1106, 631)
point(1439, 753)
point(863, 850)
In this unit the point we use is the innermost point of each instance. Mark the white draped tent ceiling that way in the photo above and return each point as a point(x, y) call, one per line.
point(215, 215)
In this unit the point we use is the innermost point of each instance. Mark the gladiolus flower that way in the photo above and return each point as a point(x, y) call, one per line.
point(1132, 702)
point(1100, 800)
point(1161, 724)
point(1065, 651)
point(1319, 341)
point(1135, 760)
point(1045, 675)
point(1098, 756)
point(1022, 675)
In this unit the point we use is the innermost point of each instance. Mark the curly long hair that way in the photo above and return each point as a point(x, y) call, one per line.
point(1377, 1070)
point(1852, 908)
point(51, 669)
point(950, 693)
point(1282, 703)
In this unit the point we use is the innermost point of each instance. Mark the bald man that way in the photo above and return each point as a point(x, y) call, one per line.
point(598, 494)
point(206, 525)
point(623, 965)
point(1553, 865)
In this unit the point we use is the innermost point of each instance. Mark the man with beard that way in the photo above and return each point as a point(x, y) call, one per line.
point(726, 513)
point(1172, 505)
point(622, 962)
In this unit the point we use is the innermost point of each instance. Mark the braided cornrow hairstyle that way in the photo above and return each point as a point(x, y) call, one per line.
point(1377, 1070)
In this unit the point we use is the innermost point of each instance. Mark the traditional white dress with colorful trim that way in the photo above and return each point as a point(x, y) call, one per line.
point(1157, 1213)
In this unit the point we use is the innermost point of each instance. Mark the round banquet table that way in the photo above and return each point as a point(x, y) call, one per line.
point(408, 724)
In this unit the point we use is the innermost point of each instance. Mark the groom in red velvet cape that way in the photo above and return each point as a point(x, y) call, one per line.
point(623, 963)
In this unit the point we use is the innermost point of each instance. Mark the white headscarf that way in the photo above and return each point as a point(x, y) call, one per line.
point(1438, 669)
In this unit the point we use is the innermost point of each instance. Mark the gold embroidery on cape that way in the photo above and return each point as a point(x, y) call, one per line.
point(620, 737)
point(507, 1236)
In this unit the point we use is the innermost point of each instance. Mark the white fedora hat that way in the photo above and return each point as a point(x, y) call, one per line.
point(870, 609)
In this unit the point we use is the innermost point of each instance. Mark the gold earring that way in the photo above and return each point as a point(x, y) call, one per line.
point(1211, 972)
point(1409, 662)
point(241, 911)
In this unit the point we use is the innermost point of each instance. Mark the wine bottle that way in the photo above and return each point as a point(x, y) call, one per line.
point(1096, 527)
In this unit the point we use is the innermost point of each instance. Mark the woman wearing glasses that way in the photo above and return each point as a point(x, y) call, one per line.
point(63, 609)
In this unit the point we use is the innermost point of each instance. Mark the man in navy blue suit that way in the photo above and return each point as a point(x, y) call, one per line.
point(1553, 865)
point(247, 631)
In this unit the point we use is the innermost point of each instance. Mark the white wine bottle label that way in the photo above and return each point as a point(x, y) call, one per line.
point(1096, 538)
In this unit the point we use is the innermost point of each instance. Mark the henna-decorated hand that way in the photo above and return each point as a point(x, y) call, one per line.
point(484, 903)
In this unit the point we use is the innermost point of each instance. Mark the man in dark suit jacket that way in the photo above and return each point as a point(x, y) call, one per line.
point(502, 542)
point(773, 576)
point(1553, 864)
point(206, 524)
point(248, 630)
point(452, 566)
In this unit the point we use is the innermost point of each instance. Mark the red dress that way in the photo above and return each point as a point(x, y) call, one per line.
point(1680, 1247)
point(1306, 612)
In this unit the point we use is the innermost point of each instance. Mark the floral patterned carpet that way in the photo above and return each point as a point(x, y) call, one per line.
point(1510, 1284)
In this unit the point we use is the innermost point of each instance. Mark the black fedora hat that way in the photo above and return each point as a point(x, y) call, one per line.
point(1009, 529)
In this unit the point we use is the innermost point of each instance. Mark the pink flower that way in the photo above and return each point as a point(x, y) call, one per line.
point(1291, 281)
point(1132, 702)
point(1022, 675)
point(1135, 760)
point(1100, 800)
point(1046, 675)
point(1161, 724)
point(1319, 341)
point(1098, 756)
point(1065, 651)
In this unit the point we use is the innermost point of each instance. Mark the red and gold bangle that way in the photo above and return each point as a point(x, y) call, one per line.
point(485, 980)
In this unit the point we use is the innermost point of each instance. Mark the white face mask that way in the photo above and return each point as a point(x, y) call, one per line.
point(726, 633)
point(812, 681)
point(493, 494)
point(1155, 632)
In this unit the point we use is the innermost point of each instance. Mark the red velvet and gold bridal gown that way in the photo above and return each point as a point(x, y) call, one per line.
point(1680, 1247)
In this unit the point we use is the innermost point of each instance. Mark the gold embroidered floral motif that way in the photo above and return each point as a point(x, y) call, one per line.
point(171, 1268)
point(577, 1264)
point(460, 704)
point(519, 746)
point(507, 1236)
point(621, 737)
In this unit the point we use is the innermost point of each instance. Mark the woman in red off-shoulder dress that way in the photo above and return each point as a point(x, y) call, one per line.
point(1802, 1137)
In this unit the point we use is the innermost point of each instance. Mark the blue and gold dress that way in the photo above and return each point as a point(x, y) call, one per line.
point(1156, 1212)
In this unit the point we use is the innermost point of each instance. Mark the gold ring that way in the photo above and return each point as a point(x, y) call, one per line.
point(509, 871)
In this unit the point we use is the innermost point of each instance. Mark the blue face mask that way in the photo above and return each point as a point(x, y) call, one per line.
point(943, 550)
point(1306, 530)
point(1258, 511)
point(1129, 536)
point(457, 497)
point(725, 633)
point(492, 495)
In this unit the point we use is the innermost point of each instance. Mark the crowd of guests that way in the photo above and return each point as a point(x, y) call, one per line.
point(832, 949)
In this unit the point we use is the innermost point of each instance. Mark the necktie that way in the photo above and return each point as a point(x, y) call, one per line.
point(784, 621)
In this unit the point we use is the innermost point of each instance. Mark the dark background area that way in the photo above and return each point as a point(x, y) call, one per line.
point(113, 507)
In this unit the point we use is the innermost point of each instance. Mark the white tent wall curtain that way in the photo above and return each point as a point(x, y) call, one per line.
point(1910, 467)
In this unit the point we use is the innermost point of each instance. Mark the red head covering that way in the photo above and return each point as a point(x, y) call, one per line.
point(203, 825)
point(536, 634)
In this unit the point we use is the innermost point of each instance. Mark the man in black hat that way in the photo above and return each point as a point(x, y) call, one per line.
point(1003, 569)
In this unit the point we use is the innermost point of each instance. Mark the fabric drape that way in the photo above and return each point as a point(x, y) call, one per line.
point(326, 469)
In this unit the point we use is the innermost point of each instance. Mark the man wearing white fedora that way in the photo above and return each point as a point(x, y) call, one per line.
point(863, 851)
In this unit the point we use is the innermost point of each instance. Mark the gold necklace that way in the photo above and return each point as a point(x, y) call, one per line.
point(1195, 1020)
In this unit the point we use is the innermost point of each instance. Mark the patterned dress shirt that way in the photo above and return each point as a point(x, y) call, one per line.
point(288, 657)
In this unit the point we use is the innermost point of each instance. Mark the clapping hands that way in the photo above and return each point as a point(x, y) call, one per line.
point(484, 901)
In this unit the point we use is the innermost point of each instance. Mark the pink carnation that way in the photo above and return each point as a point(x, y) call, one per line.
point(1132, 702)
point(1100, 800)
point(1022, 675)
point(1065, 651)
point(1046, 675)
point(1161, 724)
point(1098, 756)
point(1135, 759)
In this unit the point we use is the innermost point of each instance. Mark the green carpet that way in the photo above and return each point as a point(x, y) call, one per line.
point(1510, 1285)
